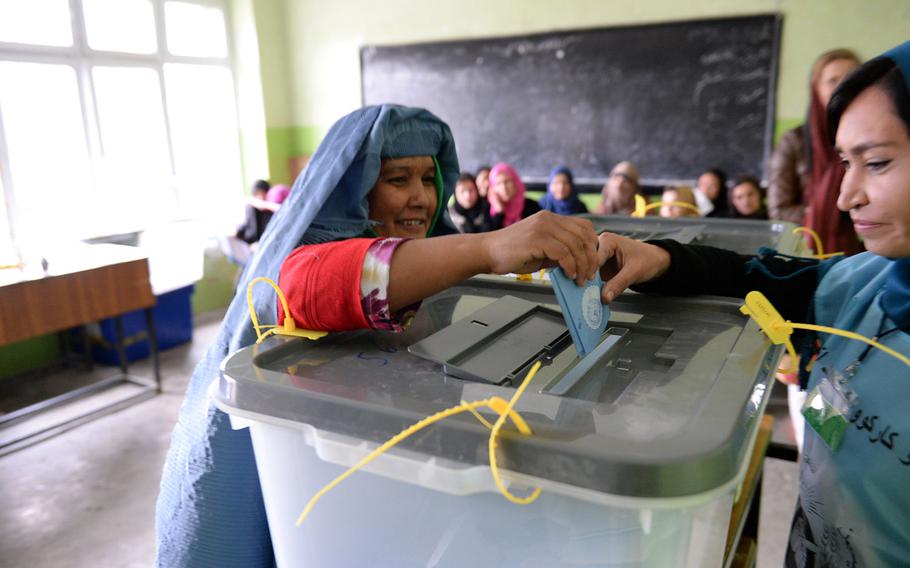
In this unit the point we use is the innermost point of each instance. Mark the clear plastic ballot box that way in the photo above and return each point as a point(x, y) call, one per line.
point(744, 236)
point(639, 448)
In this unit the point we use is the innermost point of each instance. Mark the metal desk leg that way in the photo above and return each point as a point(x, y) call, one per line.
point(121, 350)
point(87, 347)
point(153, 346)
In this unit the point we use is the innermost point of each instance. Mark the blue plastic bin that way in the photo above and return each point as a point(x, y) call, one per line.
point(173, 323)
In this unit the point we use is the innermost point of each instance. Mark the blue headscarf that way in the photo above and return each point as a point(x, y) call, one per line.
point(896, 299)
point(569, 206)
point(210, 509)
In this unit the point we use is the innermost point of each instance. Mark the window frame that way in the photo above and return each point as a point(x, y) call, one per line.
point(82, 58)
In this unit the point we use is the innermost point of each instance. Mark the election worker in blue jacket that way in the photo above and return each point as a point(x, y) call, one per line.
point(854, 503)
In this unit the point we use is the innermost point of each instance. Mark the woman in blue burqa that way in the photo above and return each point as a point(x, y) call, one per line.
point(377, 185)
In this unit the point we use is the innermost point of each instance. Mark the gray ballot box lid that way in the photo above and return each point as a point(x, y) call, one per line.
point(744, 236)
point(665, 407)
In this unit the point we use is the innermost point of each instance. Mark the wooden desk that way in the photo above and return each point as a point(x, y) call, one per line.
point(82, 285)
point(101, 282)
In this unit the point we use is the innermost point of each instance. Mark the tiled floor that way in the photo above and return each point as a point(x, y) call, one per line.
point(87, 496)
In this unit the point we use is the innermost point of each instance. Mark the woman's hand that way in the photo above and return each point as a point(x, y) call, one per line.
point(625, 262)
point(544, 240)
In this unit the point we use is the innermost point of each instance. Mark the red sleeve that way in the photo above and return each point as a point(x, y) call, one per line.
point(322, 285)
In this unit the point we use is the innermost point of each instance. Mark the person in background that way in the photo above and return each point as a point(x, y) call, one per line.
point(468, 211)
point(747, 199)
point(618, 194)
point(482, 179)
point(268, 206)
point(561, 196)
point(277, 194)
point(508, 203)
point(711, 193)
point(255, 216)
point(854, 507)
point(678, 194)
point(804, 173)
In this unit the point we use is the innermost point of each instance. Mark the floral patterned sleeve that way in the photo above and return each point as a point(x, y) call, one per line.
point(374, 288)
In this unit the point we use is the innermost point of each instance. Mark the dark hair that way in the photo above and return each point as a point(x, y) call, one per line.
point(750, 179)
point(482, 168)
point(261, 185)
point(466, 176)
point(882, 72)
point(721, 176)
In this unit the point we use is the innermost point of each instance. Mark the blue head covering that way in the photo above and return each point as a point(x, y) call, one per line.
point(569, 206)
point(210, 509)
point(896, 299)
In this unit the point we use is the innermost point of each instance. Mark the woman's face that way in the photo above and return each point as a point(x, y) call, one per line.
point(483, 182)
point(746, 199)
point(404, 197)
point(874, 147)
point(709, 185)
point(560, 187)
point(504, 186)
point(831, 76)
point(466, 194)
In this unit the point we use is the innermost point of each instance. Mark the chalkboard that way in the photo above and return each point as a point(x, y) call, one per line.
point(675, 98)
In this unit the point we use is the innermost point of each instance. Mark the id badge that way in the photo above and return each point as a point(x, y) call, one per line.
point(826, 410)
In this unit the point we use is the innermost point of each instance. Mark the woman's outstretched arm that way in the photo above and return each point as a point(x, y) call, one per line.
point(423, 267)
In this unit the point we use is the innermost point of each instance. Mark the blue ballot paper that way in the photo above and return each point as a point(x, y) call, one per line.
point(585, 315)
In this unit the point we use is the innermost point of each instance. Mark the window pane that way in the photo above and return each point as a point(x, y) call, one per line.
point(135, 174)
point(49, 163)
point(203, 116)
point(8, 255)
point(41, 22)
point(120, 25)
point(193, 29)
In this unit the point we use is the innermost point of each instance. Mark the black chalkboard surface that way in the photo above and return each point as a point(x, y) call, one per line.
point(675, 98)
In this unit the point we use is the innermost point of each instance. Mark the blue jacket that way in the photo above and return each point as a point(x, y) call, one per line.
point(854, 507)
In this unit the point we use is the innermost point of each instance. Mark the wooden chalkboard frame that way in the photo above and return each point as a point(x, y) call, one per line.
point(759, 150)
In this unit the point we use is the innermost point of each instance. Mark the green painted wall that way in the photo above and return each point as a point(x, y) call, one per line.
point(25, 355)
point(288, 142)
point(216, 289)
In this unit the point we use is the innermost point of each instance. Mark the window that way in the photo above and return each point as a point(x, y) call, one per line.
point(36, 22)
point(115, 117)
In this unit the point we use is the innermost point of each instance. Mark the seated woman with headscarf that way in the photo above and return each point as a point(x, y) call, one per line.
point(561, 197)
point(508, 204)
point(349, 245)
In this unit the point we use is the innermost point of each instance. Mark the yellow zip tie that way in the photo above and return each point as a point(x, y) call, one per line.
point(641, 206)
point(819, 249)
point(492, 445)
point(853, 335)
point(479, 418)
point(288, 328)
point(778, 331)
point(495, 403)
